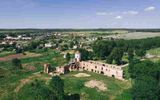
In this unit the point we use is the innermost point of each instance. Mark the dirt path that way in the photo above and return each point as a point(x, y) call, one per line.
point(12, 56)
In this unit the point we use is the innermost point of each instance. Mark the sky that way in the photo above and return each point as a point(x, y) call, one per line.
point(79, 14)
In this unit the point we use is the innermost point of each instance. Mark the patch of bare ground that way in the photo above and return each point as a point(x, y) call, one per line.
point(19, 56)
point(96, 84)
point(28, 67)
point(82, 75)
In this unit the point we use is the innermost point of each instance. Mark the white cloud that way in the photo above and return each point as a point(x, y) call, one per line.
point(151, 8)
point(130, 12)
point(118, 17)
point(133, 12)
point(103, 13)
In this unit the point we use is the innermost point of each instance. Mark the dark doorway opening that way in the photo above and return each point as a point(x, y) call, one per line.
point(102, 72)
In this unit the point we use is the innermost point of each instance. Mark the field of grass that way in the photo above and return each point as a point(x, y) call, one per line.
point(6, 53)
point(9, 79)
point(155, 51)
point(155, 54)
point(140, 35)
point(116, 90)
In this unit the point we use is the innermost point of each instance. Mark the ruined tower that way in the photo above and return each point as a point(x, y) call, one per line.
point(77, 56)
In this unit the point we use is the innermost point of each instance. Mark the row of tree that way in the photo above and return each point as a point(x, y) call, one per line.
point(113, 50)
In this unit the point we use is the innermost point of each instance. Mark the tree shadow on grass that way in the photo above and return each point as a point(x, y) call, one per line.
point(72, 97)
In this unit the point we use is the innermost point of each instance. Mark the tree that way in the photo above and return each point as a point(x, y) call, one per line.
point(64, 47)
point(33, 45)
point(130, 53)
point(16, 64)
point(19, 50)
point(68, 56)
point(110, 59)
point(145, 88)
point(85, 55)
point(116, 55)
point(57, 87)
point(2, 36)
point(146, 75)
point(102, 49)
point(140, 52)
point(71, 44)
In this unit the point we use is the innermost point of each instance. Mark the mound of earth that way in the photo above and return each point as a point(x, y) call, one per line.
point(82, 75)
point(96, 84)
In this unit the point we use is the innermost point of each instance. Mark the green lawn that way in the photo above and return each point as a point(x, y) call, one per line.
point(9, 79)
point(6, 53)
point(155, 51)
point(117, 90)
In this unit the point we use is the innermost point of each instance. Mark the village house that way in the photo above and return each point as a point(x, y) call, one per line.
point(19, 37)
point(48, 45)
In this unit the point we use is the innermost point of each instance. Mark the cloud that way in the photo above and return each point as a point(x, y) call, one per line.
point(118, 17)
point(103, 13)
point(131, 12)
point(151, 8)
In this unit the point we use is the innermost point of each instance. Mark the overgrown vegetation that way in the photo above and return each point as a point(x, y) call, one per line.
point(146, 75)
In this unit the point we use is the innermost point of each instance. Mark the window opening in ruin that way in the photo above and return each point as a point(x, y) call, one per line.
point(102, 72)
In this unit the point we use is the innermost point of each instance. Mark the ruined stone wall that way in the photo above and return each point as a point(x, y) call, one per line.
point(102, 68)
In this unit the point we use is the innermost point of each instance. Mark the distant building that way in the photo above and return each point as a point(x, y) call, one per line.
point(75, 47)
point(17, 38)
point(4, 42)
point(26, 38)
point(64, 56)
point(48, 45)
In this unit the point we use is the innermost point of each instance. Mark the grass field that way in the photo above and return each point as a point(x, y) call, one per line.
point(155, 54)
point(116, 90)
point(140, 35)
point(6, 53)
point(155, 51)
point(9, 79)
